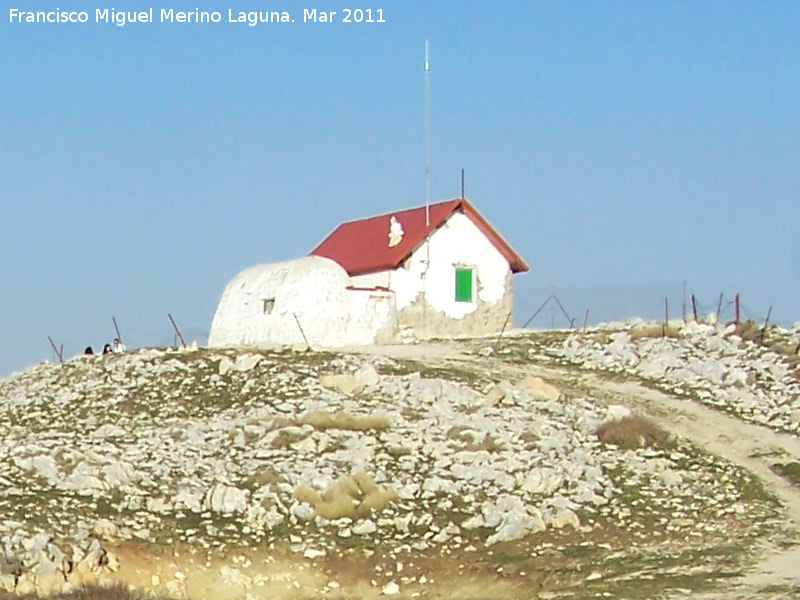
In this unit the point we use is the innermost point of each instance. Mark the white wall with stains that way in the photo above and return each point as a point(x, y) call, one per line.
point(268, 305)
point(431, 268)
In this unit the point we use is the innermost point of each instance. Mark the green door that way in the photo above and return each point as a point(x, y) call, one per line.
point(463, 284)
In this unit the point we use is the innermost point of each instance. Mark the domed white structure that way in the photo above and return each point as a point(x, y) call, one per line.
point(269, 304)
point(432, 271)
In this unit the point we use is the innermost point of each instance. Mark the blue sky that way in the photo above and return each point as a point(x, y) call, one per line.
point(614, 145)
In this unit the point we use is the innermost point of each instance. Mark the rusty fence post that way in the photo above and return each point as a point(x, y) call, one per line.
point(177, 331)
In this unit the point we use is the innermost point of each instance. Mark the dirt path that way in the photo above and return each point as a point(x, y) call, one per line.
point(776, 574)
point(756, 448)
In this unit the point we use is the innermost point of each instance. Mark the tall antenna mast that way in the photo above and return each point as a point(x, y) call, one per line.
point(427, 136)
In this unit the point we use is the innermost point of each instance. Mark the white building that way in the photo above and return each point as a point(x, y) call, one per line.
point(449, 269)
point(440, 270)
point(308, 300)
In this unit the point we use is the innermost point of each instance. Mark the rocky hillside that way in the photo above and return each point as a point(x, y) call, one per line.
point(746, 370)
point(300, 474)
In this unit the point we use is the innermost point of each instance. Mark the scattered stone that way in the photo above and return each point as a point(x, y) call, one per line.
point(226, 365)
point(365, 527)
point(346, 384)
point(540, 389)
point(247, 362)
point(495, 396)
point(367, 376)
point(617, 412)
point(226, 499)
point(390, 589)
point(220, 443)
point(563, 518)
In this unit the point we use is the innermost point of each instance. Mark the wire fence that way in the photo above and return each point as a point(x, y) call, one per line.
point(573, 307)
point(134, 335)
point(550, 307)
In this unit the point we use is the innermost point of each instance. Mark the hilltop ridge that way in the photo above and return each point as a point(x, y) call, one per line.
point(507, 464)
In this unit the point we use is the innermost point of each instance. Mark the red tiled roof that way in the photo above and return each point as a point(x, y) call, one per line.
point(362, 246)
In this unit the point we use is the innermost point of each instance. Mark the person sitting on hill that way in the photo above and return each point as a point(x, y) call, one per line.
point(107, 349)
point(88, 351)
point(118, 345)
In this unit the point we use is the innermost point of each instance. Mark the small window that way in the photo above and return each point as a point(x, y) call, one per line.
point(269, 305)
point(464, 284)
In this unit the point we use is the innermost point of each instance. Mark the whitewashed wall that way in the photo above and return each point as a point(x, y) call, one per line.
point(458, 243)
point(371, 317)
point(313, 289)
point(305, 287)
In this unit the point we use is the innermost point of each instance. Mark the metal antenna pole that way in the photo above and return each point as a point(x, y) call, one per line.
point(427, 135)
point(427, 67)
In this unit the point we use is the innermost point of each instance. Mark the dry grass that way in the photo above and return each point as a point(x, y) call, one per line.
point(351, 496)
point(790, 471)
point(755, 333)
point(787, 351)
point(632, 432)
point(471, 443)
point(530, 438)
point(267, 476)
point(92, 592)
point(284, 439)
point(750, 331)
point(460, 433)
point(601, 337)
point(344, 420)
point(654, 331)
point(487, 444)
point(247, 436)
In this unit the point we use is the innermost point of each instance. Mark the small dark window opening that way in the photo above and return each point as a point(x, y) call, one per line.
point(269, 305)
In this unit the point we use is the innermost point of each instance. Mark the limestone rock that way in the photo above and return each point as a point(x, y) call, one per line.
point(346, 384)
point(391, 589)
point(543, 481)
point(516, 525)
point(495, 396)
point(105, 528)
point(367, 375)
point(48, 579)
point(617, 412)
point(365, 527)
point(563, 518)
point(226, 499)
point(200, 437)
point(247, 362)
point(539, 389)
point(11, 569)
point(225, 365)
point(11, 565)
point(26, 585)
